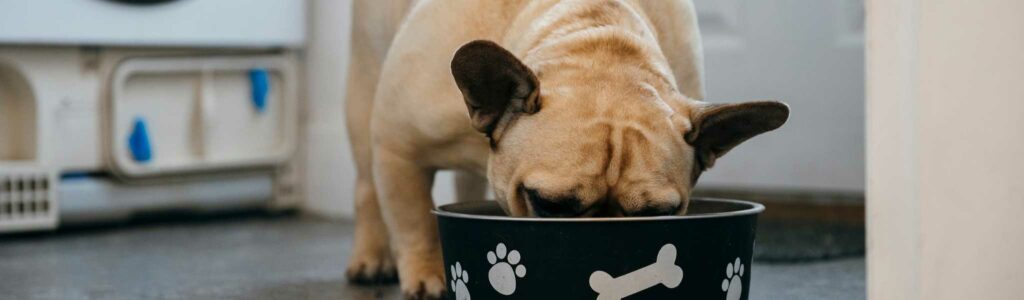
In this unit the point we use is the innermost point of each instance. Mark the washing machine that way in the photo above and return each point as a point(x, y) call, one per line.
point(114, 108)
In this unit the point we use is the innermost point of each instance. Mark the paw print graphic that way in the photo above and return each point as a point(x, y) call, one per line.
point(505, 268)
point(459, 279)
point(733, 283)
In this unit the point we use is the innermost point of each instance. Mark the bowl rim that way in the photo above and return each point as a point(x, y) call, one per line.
point(753, 209)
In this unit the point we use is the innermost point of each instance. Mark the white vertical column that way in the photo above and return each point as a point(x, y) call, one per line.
point(945, 149)
point(892, 205)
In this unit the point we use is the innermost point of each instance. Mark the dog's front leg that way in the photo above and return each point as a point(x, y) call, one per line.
point(404, 190)
point(371, 260)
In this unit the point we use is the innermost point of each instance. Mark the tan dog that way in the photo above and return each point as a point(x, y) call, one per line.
point(575, 108)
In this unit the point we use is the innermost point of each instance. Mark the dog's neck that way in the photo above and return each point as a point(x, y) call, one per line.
point(586, 38)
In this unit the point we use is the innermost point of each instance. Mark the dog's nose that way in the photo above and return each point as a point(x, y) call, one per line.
point(652, 210)
point(554, 208)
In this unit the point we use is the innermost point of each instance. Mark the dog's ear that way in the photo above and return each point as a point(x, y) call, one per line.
point(493, 83)
point(717, 128)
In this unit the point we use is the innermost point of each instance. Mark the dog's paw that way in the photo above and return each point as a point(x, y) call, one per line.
point(375, 267)
point(423, 281)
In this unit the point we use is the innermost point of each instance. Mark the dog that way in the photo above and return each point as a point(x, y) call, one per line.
point(566, 108)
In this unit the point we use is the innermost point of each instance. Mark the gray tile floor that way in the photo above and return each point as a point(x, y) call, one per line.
point(262, 257)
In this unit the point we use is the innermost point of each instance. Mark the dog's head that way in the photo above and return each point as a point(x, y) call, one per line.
point(571, 144)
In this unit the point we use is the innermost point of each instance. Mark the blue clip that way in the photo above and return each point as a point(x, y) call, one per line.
point(138, 142)
point(260, 80)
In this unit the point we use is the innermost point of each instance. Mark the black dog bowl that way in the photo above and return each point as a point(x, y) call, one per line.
point(703, 255)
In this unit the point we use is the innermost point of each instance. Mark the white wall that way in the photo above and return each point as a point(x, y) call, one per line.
point(809, 54)
point(945, 142)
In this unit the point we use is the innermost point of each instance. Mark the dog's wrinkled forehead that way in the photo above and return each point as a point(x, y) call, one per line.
point(617, 141)
point(573, 138)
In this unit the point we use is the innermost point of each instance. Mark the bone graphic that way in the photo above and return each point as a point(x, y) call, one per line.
point(663, 271)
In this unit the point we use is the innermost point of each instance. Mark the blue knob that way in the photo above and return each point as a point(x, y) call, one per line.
point(260, 80)
point(138, 142)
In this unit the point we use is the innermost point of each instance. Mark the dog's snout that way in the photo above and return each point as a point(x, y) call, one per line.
point(554, 208)
point(652, 210)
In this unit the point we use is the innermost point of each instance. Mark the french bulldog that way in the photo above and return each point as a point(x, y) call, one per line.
point(566, 108)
